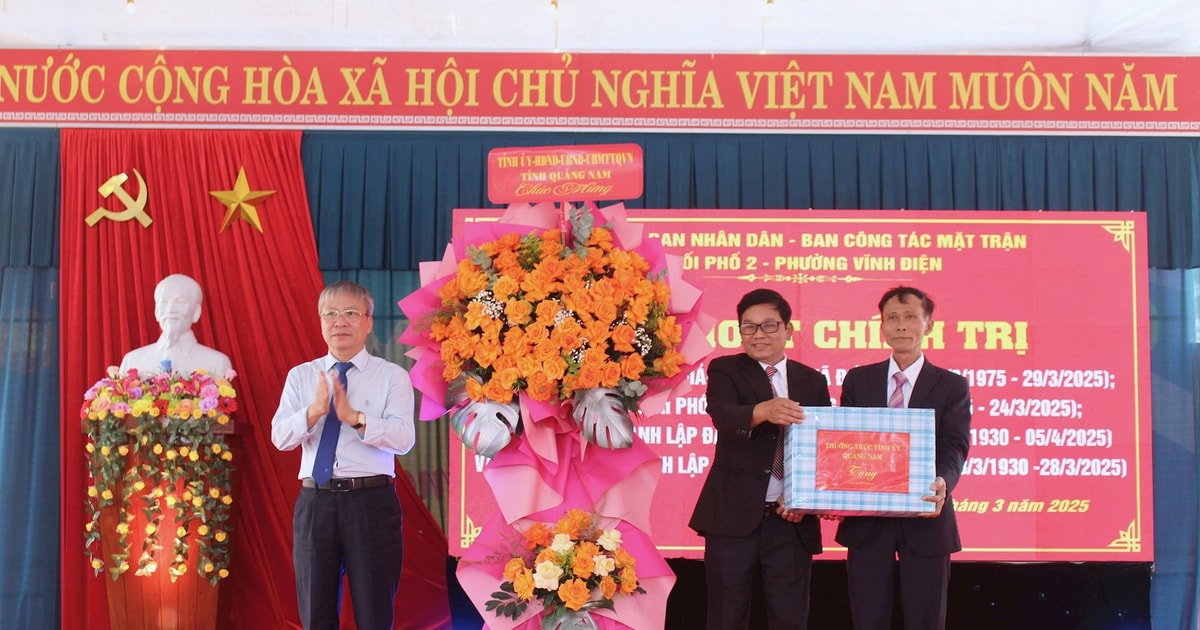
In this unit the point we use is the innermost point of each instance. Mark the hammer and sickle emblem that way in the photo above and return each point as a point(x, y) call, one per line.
point(134, 208)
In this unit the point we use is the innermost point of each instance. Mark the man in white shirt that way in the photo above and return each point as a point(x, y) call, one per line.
point(351, 413)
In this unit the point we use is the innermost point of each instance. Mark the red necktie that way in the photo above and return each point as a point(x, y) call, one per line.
point(777, 465)
point(896, 400)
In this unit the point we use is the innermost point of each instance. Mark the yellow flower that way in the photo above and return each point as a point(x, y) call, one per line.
point(227, 500)
point(202, 530)
point(181, 532)
point(105, 451)
point(122, 528)
point(123, 450)
point(139, 485)
point(91, 448)
point(208, 567)
point(216, 449)
point(608, 587)
point(171, 454)
point(194, 456)
point(97, 564)
point(183, 451)
point(220, 536)
point(92, 492)
point(107, 495)
point(89, 526)
point(197, 501)
point(158, 449)
point(227, 455)
point(150, 529)
point(224, 573)
point(214, 493)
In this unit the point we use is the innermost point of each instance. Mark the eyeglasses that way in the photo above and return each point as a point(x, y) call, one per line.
point(747, 329)
point(352, 316)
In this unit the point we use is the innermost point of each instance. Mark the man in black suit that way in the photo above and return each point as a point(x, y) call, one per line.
point(923, 545)
point(752, 398)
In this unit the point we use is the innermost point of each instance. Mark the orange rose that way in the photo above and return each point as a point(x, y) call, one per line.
point(505, 287)
point(509, 377)
point(554, 368)
point(546, 311)
point(518, 312)
point(668, 364)
point(537, 285)
point(546, 351)
point(513, 568)
point(537, 535)
point(622, 338)
point(669, 331)
point(573, 523)
point(546, 555)
point(475, 389)
point(624, 558)
point(523, 585)
point(582, 565)
point(632, 367)
point(589, 376)
point(528, 365)
point(495, 390)
point(475, 315)
point(611, 375)
point(540, 387)
point(574, 593)
point(629, 581)
point(608, 587)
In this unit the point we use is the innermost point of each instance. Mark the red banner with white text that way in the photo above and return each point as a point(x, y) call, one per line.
point(1045, 314)
point(771, 93)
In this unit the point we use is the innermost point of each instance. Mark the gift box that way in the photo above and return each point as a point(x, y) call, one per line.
point(858, 461)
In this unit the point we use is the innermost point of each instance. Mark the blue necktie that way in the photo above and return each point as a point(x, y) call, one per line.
point(323, 463)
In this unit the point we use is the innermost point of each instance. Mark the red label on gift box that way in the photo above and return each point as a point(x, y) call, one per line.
point(862, 460)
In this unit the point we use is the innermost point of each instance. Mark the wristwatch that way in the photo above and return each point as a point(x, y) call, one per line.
point(362, 421)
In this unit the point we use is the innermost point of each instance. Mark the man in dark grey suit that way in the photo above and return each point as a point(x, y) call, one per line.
point(752, 398)
point(923, 545)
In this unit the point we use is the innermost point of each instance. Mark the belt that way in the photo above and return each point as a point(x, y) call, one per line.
point(348, 484)
point(769, 508)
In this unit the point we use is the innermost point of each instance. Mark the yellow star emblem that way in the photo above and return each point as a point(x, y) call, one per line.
point(237, 201)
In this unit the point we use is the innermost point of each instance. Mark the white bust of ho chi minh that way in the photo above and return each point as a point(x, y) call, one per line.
point(176, 307)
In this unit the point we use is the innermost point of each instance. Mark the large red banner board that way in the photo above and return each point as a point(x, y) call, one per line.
point(645, 91)
point(1045, 314)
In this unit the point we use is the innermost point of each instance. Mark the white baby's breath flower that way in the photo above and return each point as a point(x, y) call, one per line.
point(610, 539)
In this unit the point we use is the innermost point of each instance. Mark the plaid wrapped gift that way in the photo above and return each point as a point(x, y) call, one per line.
point(857, 461)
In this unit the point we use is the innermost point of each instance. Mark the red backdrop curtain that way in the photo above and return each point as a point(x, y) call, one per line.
point(260, 295)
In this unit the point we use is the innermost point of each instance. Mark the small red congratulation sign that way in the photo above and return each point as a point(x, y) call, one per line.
point(874, 461)
point(595, 172)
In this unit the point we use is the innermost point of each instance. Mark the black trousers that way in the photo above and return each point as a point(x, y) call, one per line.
point(774, 554)
point(353, 533)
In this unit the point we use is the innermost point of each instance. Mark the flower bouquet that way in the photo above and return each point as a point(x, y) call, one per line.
point(571, 568)
point(157, 443)
point(554, 314)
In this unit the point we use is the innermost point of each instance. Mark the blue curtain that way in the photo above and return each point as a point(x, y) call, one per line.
point(29, 426)
point(1175, 368)
point(382, 200)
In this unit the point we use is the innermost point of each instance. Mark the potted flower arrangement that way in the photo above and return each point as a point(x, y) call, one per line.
point(157, 448)
point(572, 568)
